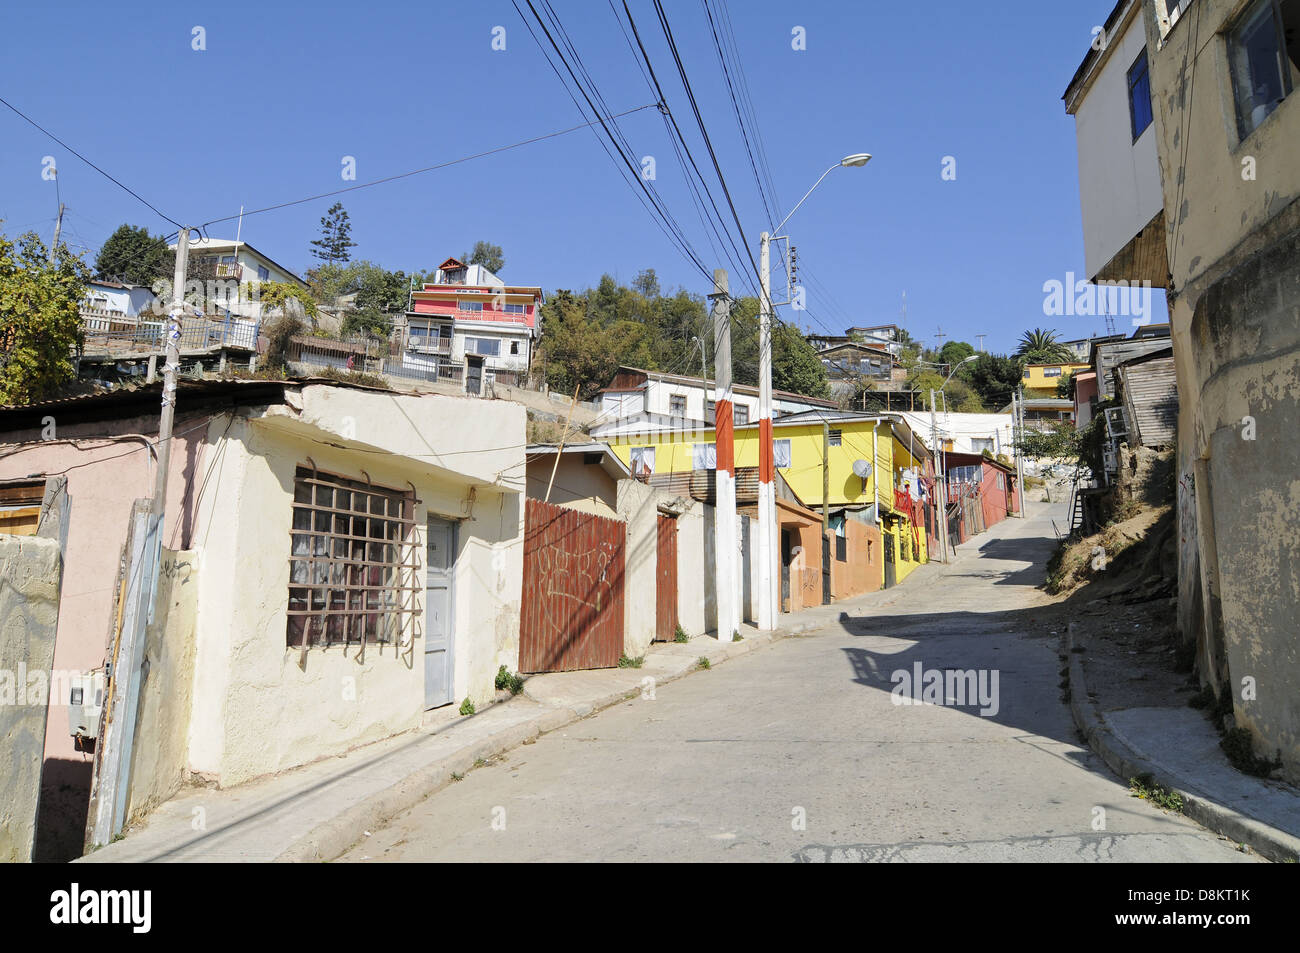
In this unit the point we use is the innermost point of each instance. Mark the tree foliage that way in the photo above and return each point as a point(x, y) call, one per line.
point(335, 243)
point(994, 378)
point(132, 256)
point(1040, 346)
point(587, 336)
point(40, 318)
point(486, 254)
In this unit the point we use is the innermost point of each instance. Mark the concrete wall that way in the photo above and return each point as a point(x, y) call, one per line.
point(1248, 328)
point(863, 570)
point(1232, 219)
point(637, 504)
point(166, 694)
point(694, 575)
point(29, 614)
point(248, 680)
point(108, 466)
point(584, 486)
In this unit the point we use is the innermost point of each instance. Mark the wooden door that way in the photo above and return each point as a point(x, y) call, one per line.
point(666, 581)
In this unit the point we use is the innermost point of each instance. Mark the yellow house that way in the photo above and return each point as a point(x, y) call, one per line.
point(1040, 380)
point(814, 450)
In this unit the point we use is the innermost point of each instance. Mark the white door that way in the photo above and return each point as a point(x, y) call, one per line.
point(438, 628)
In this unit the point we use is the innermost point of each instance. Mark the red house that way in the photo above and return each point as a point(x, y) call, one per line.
point(983, 492)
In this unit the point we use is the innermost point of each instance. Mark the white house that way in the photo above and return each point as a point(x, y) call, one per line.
point(110, 301)
point(635, 391)
point(239, 267)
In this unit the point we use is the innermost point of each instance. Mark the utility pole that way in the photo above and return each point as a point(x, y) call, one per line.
point(725, 552)
point(1018, 407)
point(170, 369)
point(826, 476)
point(766, 548)
point(58, 229)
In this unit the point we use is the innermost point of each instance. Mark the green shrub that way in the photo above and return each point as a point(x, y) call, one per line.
point(467, 707)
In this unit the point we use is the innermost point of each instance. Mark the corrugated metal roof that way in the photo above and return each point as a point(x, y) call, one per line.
point(1150, 392)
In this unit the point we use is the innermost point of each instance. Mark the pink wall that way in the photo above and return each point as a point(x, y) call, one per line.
point(105, 476)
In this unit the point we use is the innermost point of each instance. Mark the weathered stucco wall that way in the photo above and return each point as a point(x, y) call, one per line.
point(108, 467)
point(691, 569)
point(162, 730)
point(255, 710)
point(1247, 327)
point(637, 504)
point(29, 615)
point(582, 486)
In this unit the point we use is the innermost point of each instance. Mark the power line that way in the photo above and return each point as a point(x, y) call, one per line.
point(430, 168)
point(110, 178)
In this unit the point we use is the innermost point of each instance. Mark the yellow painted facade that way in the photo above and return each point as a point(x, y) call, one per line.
point(674, 452)
point(1039, 380)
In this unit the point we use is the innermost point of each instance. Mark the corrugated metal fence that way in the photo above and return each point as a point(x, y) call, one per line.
point(572, 612)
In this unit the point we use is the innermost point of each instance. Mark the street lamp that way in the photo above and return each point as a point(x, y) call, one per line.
point(768, 598)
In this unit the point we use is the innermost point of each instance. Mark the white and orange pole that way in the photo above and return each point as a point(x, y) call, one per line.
point(724, 510)
point(767, 549)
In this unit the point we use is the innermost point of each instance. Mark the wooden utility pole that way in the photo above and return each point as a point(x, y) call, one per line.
point(555, 466)
point(826, 476)
point(58, 230)
point(175, 323)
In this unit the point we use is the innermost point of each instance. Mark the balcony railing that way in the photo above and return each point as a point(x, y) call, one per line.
point(197, 334)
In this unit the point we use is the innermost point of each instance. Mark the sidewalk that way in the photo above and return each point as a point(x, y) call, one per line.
point(1179, 749)
point(315, 812)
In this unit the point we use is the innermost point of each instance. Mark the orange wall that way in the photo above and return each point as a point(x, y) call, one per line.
point(863, 570)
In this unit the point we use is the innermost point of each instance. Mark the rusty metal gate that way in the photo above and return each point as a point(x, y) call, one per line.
point(666, 581)
point(572, 611)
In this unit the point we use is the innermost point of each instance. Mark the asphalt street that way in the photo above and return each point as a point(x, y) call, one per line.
point(804, 751)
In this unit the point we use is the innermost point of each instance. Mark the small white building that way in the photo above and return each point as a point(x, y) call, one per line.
point(635, 391)
point(111, 302)
point(238, 268)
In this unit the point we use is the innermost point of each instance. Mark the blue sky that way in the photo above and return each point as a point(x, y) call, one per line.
point(266, 113)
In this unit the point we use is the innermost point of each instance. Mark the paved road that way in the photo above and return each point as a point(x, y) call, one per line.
point(798, 752)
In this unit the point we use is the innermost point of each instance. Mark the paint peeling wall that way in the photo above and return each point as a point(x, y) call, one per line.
point(162, 735)
point(29, 615)
point(637, 504)
point(256, 711)
point(1233, 215)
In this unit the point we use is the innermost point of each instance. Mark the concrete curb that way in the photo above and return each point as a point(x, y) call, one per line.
point(333, 838)
point(1269, 842)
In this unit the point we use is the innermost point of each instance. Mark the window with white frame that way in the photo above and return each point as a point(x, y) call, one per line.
point(677, 405)
point(643, 461)
point(740, 414)
point(488, 347)
point(1051, 372)
point(354, 561)
point(704, 456)
point(980, 444)
point(513, 309)
point(781, 454)
point(464, 305)
point(835, 437)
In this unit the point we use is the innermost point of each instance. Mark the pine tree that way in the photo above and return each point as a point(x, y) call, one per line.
point(336, 237)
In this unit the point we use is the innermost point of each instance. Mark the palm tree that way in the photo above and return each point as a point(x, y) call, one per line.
point(1040, 346)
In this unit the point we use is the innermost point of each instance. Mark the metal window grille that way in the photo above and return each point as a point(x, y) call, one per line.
point(354, 561)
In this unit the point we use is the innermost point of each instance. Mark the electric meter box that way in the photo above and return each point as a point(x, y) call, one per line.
point(85, 702)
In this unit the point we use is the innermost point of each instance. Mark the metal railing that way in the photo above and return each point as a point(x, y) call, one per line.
point(196, 334)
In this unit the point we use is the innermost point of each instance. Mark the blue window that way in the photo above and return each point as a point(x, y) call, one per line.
point(1139, 96)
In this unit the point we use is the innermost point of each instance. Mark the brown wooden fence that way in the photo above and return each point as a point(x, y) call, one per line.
point(572, 612)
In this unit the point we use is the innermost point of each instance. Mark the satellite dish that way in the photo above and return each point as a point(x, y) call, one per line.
point(862, 468)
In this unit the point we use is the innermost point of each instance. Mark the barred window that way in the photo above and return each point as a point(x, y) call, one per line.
point(354, 561)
